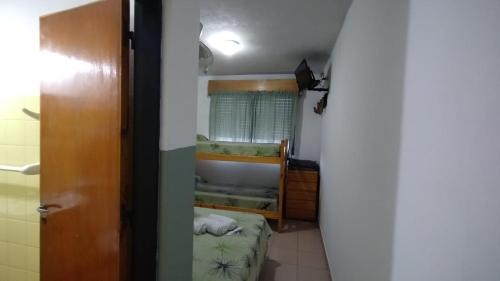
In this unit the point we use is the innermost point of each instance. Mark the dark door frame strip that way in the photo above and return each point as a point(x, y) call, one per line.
point(146, 135)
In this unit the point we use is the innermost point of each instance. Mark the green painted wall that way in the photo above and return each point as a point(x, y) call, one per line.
point(177, 170)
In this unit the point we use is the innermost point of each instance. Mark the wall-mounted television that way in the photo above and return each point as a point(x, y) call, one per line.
point(305, 77)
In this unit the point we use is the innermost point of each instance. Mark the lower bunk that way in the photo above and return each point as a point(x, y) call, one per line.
point(254, 199)
point(239, 256)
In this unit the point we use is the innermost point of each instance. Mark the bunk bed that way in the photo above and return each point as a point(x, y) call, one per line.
point(244, 198)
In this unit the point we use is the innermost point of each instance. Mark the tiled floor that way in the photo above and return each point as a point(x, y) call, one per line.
point(296, 254)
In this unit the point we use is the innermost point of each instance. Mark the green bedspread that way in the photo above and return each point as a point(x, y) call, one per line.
point(237, 257)
point(235, 189)
point(238, 148)
point(250, 202)
point(253, 197)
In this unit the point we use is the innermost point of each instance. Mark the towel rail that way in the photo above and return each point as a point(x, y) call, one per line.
point(31, 114)
point(30, 169)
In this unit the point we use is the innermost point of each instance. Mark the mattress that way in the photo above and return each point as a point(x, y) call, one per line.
point(230, 189)
point(239, 148)
point(253, 197)
point(237, 257)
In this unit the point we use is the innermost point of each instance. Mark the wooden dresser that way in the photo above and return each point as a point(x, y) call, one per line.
point(301, 195)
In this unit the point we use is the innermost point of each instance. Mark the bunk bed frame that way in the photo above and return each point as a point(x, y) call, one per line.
point(278, 160)
point(290, 85)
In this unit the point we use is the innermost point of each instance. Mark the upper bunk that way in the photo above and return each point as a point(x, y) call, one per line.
point(242, 152)
point(262, 153)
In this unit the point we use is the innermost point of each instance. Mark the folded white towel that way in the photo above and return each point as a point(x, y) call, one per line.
point(213, 224)
point(235, 231)
point(220, 225)
point(200, 225)
point(221, 219)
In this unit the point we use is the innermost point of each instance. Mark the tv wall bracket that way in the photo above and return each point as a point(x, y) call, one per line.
point(317, 82)
point(321, 105)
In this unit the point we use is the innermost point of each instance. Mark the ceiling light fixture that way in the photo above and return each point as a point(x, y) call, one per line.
point(226, 43)
point(228, 47)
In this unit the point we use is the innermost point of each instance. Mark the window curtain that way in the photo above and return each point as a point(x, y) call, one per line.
point(258, 117)
point(231, 117)
point(274, 117)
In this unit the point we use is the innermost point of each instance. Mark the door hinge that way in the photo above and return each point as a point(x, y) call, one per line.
point(131, 38)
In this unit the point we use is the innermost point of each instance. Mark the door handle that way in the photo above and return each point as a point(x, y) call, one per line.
point(43, 210)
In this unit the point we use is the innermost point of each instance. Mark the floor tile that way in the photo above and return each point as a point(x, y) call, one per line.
point(273, 271)
point(310, 274)
point(312, 259)
point(310, 240)
point(285, 256)
point(295, 226)
point(296, 254)
point(285, 240)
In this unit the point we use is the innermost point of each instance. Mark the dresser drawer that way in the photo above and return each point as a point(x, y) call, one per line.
point(301, 204)
point(301, 186)
point(303, 176)
point(301, 195)
point(299, 214)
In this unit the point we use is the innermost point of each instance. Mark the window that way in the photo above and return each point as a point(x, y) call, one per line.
point(258, 117)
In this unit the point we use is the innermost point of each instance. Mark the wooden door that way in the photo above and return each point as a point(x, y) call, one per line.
point(84, 60)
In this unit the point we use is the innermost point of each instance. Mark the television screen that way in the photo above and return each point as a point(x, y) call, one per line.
point(304, 76)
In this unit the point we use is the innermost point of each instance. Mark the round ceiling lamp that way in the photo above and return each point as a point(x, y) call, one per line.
point(225, 42)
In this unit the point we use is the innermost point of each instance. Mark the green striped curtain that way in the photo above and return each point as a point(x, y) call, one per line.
point(258, 117)
point(231, 117)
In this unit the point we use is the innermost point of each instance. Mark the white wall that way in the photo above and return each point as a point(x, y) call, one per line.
point(179, 62)
point(308, 141)
point(308, 135)
point(203, 106)
point(19, 27)
point(411, 143)
point(360, 141)
point(238, 173)
point(448, 214)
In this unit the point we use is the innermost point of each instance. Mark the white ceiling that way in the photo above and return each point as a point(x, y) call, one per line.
point(275, 34)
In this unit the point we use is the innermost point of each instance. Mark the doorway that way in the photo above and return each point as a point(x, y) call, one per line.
point(64, 190)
